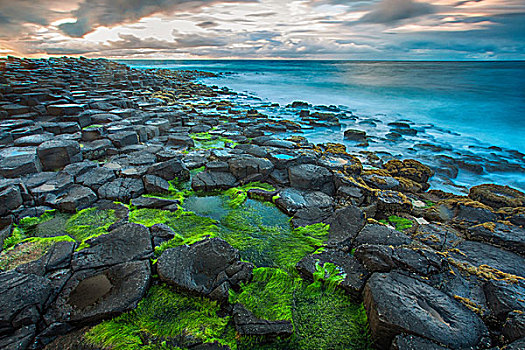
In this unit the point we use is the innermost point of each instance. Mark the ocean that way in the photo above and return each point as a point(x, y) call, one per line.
point(482, 103)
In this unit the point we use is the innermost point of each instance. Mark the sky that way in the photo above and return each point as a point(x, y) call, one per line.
point(265, 29)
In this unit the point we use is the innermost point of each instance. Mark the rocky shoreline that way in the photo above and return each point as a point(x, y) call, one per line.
point(141, 210)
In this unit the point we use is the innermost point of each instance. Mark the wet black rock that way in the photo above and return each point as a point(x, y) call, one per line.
point(497, 196)
point(508, 237)
point(75, 198)
point(311, 177)
point(247, 324)
point(377, 234)
point(155, 184)
point(396, 304)
point(514, 327)
point(209, 181)
point(57, 154)
point(345, 224)
point(170, 170)
point(65, 109)
point(22, 296)
point(503, 297)
point(124, 138)
point(17, 161)
point(10, 199)
point(114, 248)
point(96, 177)
point(207, 268)
point(290, 200)
point(243, 166)
point(122, 189)
point(410, 342)
point(355, 135)
point(96, 294)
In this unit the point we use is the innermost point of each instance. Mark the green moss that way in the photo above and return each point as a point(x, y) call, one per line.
point(398, 222)
point(329, 274)
point(428, 204)
point(163, 320)
point(238, 195)
point(323, 318)
point(205, 140)
point(188, 227)
point(89, 223)
point(16, 237)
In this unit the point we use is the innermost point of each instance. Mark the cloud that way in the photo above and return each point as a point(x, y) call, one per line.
point(208, 24)
point(389, 11)
point(94, 13)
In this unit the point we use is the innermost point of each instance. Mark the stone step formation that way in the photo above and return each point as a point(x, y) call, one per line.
point(99, 164)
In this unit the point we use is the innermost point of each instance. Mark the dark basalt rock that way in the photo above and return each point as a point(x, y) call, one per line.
point(345, 224)
point(207, 268)
point(355, 274)
point(517, 345)
point(247, 324)
point(291, 200)
point(57, 154)
point(96, 177)
point(65, 109)
point(10, 199)
point(16, 161)
point(381, 182)
point(122, 189)
point(75, 198)
point(497, 196)
point(22, 297)
point(355, 135)
point(384, 258)
point(410, 342)
point(380, 234)
point(96, 294)
point(476, 254)
point(310, 216)
point(183, 140)
point(311, 177)
point(397, 304)
point(170, 170)
point(22, 338)
point(514, 327)
point(114, 248)
point(153, 202)
point(508, 237)
point(504, 297)
point(155, 184)
point(210, 181)
point(437, 236)
point(124, 138)
point(393, 202)
point(244, 166)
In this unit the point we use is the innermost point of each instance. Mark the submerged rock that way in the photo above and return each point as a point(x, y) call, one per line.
point(247, 324)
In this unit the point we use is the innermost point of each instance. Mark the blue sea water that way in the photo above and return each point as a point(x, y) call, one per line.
point(484, 102)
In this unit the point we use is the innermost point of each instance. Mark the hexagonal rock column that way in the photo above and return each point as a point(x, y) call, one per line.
point(58, 153)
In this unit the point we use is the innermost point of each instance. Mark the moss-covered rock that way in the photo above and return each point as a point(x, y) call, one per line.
point(497, 196)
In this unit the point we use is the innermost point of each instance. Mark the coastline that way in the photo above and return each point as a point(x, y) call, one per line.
point(179, 169)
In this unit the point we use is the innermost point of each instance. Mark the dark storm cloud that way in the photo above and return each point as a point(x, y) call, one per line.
point(93, 13)
point(207, 24)
point(388, 11)
point(15, 13)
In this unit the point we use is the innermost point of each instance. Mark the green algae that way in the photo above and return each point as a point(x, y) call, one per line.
point(238, 195)
point(322, 317)
point(89, 223)
point(205, 140)
point(164, 319)
point(398, 222)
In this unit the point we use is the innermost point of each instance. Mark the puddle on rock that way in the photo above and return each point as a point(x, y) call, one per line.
point(89, 291)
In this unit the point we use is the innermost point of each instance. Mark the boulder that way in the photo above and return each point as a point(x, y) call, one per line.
point(244, 166)
point(311, 177)
point(381, 234)
point(65, 109)
point(410, 169)
point(20, 339)
point(290, 200)
point(95, 294)
point(393, 202)
point(155, 184)
point(57, 154)
point(75, 198)
point(247, 324)
point(121, 189)
point(503, 297)
point(114, 248)
point(17, 161)
point(438, 236)
point(96, 177)
point(183, 140)
point(410, 342)
point(497, 196)
point(124, 138)
point(210, 181)
point(508, 237)
point(153, 202)
point(170, 170)
point(514, 327)
point(345, 224)
point(22, 297)
point(207, 268)
point(355, 135)
point(396, 303)
point(10, 199)
point(516, 345)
